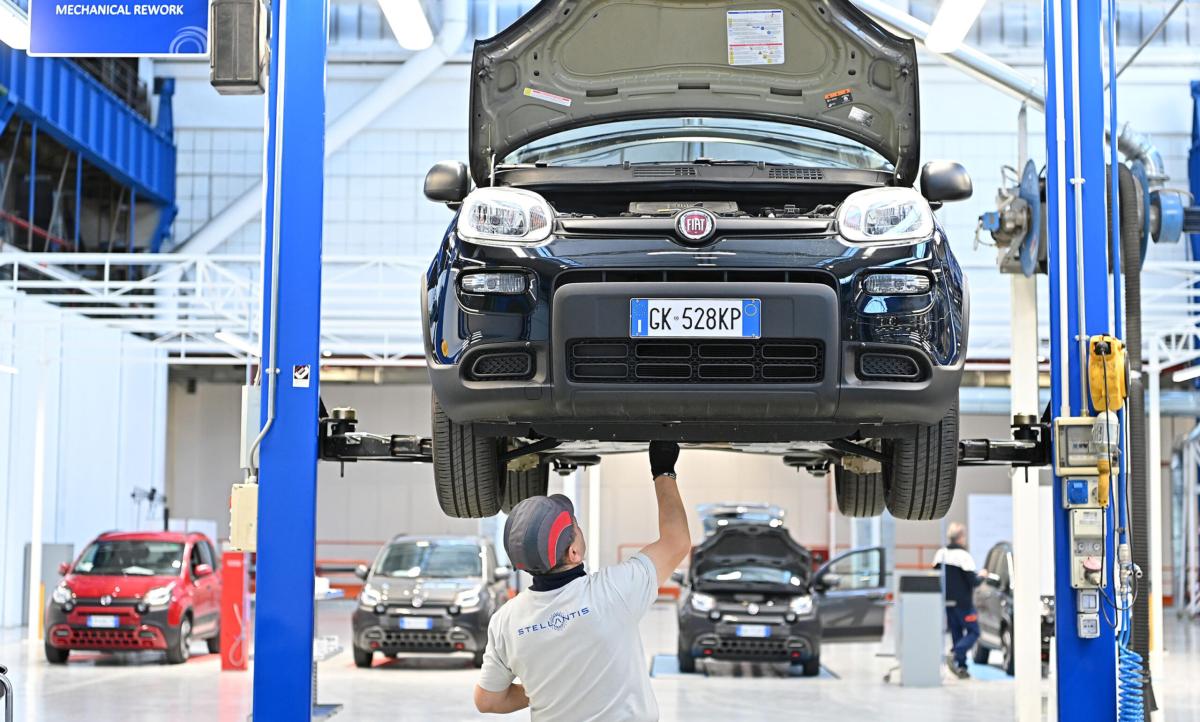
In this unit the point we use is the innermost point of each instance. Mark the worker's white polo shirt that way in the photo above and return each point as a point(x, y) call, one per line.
point(577, 648)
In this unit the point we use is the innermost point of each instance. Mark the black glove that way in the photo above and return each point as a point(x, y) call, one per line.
point(663, 455)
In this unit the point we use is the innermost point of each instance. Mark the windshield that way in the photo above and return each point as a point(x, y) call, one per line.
point(752, 575)
point(444, 559)
point(686, 140)
point(134, 557)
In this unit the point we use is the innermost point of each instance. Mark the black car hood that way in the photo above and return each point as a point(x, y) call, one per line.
point(756, 544)
point(571, 63)
point(434, 590)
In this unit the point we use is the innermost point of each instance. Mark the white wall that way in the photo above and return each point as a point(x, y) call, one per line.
point(104, 396)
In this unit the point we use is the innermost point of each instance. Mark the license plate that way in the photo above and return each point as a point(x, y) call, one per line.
point(104, 622)
point(695, 317)
point(416, 623)
point(753, 630)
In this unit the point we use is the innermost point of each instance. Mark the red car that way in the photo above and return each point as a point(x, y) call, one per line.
point(132, 591)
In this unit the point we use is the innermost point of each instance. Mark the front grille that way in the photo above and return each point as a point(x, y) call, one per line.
point(888, 367)
point(418, 640)
point(107, 639)
point(664, 171)
point(498, 366)
point(751, 647)
point(700, 275)
point(813, 174)
point(707, 361)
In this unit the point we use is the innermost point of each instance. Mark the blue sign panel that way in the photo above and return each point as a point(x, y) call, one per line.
point(118, 28)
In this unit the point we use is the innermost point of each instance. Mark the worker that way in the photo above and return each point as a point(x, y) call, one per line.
point(961, 577)
point(572, 638)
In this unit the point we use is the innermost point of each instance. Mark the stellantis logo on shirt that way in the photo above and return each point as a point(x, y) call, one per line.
point(557, 621)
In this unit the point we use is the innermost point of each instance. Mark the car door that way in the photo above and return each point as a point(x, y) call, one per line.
point(986, 598)
point(852, 595)
point(203, 607)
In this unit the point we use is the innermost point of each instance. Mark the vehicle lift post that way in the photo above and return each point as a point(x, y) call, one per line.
point(291, 312)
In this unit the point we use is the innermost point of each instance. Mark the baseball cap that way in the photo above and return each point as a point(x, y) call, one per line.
point(538, 532)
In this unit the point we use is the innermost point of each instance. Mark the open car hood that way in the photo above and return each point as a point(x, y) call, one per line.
point(757, 544)
point(571, 63)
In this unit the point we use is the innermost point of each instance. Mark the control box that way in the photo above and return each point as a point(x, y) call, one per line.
point(1087, 548)
point(243, 517)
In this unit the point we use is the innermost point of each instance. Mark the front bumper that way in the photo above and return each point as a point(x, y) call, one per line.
point(795, 643)
point(819, 301)
point(135, 632)
point(466, 632)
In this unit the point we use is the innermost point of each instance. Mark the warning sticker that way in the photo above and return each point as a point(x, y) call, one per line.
point(838, 97)
point(548, 97)
point(755, 37)
point(301, 374)
point(859, 115)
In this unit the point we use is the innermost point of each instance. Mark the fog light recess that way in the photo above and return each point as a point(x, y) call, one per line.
point(503, 283)
point(896, 284)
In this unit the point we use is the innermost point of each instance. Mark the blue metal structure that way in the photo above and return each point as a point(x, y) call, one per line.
point(1194, 163)
point(283, 630)
point(1081, 306)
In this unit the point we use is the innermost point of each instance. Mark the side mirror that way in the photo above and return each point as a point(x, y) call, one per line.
point(677, 577)
point(828, 581)
point(993, 579)
point(447, 182)
point(202, 570)
point(361, 571)
point(64, 568)
point(945, 180)
point(502, 573)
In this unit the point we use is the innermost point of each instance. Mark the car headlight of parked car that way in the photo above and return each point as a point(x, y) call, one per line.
point(468, 600)
point(62, 594)
point(885, 215)
point(159, 598)
point(702, 602)
point(369, 597)
point(801, 606)
point(505, 216)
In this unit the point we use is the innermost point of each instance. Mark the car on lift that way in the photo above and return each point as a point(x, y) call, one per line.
point(696, 222)
point(994, 605)
point(428, 595)
point(717, 516)
point(136, 591)
point(750, 594)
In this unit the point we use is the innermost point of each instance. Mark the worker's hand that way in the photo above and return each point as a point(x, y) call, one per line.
point(663, 455)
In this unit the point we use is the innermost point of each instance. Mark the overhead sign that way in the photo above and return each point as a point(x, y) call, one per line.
point(142, 28)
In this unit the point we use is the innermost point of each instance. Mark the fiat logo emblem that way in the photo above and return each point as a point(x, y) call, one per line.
point(752, 609)
point(105, 600)
point(417, 601)
point(696, 224)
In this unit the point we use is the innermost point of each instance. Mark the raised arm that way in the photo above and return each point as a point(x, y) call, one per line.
point(674, 539)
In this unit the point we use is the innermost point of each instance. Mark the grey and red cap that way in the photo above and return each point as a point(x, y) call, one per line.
point(538, 532)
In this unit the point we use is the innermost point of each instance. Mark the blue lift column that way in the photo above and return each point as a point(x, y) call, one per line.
point(287, 493)
point(1080, 306)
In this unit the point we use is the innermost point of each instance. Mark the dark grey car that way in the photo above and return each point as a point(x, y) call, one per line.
point(994, 604)
point(428, 595)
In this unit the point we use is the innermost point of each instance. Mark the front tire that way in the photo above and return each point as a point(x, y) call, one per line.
point(858, 495)
point(363, 658)
point(466, 468)
point(1010, 659)
point(179, 652)
point(982, 654)
point(214, 643)
point(520, 485)
point(811, 668)
point(923, 470)
point(54, 655)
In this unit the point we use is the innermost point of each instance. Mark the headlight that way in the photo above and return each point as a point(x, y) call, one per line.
point(702, 602)
point(885, 215)
point(62, 594)
point(801, 606)
point(369, 596)
point(159, 596)
point(505, 216)
point(896, 284)
point(468, 599)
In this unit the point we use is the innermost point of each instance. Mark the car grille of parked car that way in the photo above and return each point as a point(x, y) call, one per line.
point(417, 640)
point(888, 367)
point(727, 361)
point(501, 366)
point(106, 638)
point(696, 275)
point(743, 647)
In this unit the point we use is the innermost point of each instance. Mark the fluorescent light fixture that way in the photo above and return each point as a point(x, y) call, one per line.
point(14, 26)
point(1186, 374)
point(408, 22)
point(12, 370)
point(238, 343)
point(954, 19)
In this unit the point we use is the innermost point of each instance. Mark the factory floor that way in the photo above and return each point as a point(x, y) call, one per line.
point(136, 688)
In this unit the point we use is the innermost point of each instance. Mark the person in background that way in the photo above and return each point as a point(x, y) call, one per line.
point(961, 577)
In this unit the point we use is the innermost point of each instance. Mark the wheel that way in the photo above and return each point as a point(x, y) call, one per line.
point(858, 494)
point(1006, 645)
point(520, 485)
point(811, 668)
point(179, 652)
point(54, 655)
point(687, 663)
point(478, 661)
point(214, 643)
point(982, 654)
point(363, 657)
point(466, 468)
point(924, 467)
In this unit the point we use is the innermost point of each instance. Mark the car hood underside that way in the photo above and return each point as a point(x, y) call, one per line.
point(752, 544)
point(571, 63)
